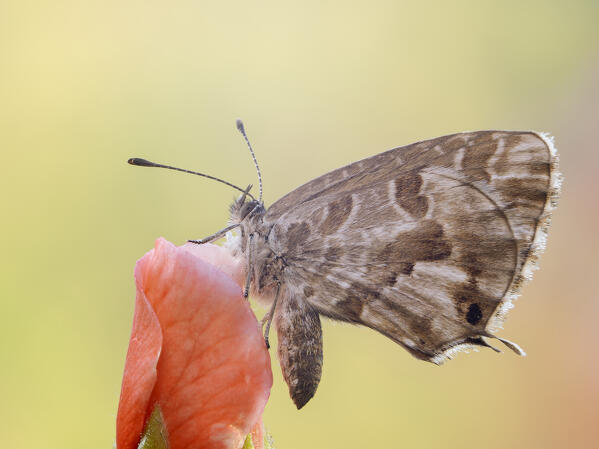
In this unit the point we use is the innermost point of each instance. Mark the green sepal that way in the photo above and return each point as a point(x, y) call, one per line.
point(249, 444)
point(154, 436)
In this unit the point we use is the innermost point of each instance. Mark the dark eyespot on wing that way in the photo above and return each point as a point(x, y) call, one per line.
point(474, 314)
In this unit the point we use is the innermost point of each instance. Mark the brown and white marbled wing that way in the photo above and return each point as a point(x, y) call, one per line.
point(426, 244)
point(371, 167)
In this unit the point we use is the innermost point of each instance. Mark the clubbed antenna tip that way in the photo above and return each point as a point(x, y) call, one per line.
point(140, 162)
point(240, 126)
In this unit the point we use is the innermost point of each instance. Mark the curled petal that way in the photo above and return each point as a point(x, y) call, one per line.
point(213, 377)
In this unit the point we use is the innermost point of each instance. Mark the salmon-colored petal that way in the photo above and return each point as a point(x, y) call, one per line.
point(258, 434)
point(213, 375)
point(220, 258)
point(140, 373)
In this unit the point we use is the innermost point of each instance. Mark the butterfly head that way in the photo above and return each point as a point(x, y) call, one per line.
point(249, 207)
point(246, 207)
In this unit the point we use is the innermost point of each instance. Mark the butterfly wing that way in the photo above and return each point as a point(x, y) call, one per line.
point(426, 243)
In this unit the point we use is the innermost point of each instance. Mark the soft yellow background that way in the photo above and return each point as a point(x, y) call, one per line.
point(86, 84)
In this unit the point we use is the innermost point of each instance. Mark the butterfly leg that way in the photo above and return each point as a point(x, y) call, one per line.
point(248, 279)
point(214, 236)
point(270, 315)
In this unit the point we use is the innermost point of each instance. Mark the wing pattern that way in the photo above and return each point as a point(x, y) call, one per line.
point(428, 243)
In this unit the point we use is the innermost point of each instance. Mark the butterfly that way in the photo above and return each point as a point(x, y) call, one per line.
point(427, 244)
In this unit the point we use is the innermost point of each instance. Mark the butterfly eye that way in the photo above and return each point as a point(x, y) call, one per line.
point(247, 208)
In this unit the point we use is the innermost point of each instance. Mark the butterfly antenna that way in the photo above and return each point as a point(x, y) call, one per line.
point(241, 129)
point(144, 163)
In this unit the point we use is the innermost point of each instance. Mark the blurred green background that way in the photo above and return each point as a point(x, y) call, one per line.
point(86, 84)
